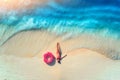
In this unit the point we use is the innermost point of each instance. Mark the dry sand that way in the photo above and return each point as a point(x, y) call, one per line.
point(22, 59)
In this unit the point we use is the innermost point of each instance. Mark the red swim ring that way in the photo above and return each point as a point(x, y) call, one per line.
point(48, 58)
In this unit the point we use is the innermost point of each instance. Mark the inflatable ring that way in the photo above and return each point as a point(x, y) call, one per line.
point(48, 58)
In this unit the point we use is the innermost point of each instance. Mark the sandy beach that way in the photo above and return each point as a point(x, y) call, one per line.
point(21, 58)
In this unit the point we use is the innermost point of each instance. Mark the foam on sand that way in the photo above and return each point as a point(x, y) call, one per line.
point(34, 42)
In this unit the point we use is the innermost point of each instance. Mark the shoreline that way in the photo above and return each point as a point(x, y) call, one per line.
point(7, 33)
point(43, 40)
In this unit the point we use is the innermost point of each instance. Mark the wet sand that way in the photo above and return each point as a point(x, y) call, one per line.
point(21, 58)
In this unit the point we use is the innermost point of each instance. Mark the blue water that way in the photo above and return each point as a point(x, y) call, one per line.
point(99, 17)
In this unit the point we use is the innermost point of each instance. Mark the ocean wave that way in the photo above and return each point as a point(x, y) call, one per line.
point(100, 18)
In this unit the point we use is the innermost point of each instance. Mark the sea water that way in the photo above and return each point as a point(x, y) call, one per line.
point(75, 17)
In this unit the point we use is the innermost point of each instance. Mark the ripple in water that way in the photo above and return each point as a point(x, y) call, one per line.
point(99, 18)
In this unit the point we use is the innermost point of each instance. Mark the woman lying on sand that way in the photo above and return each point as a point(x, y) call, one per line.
point(58, 53)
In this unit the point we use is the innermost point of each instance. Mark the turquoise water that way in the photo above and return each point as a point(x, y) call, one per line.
point(64, 16)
